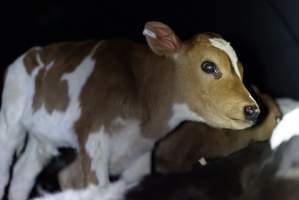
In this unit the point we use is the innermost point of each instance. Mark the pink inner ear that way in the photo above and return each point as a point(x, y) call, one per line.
point(169, 44)
point(163, 31)
point(165, 40)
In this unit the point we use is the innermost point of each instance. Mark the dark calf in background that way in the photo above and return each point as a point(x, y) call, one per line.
point(273, 180)
point(193, 141)
point(218, 180)
point(254, 173)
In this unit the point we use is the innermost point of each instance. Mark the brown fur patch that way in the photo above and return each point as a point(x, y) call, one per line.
point(63, 58)
point(130, 86)
point(141, 85)
point(37, 100)
point(30, 60)
point(125, 88)
point(78, 174)
point(53, 93)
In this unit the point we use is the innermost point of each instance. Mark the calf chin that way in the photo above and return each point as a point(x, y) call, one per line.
point(238, 124)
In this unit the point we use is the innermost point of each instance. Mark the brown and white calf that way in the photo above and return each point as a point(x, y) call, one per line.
point(112, 100)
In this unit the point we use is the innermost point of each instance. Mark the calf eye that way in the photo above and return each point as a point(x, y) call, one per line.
point(209, 67)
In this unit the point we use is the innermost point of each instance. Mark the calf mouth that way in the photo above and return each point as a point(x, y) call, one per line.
point(243, 122)
point(239, 124)
point(228, 122)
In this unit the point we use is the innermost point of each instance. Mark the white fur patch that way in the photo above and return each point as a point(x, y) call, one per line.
point(149, 33)
point(182, 112)
point(114, 191)
point(97, 147)
point(14, 92)
point(12, 132)
point(17, 116)
point(57, 127)
point(126, 144)
point(28, 167)
point(93, 145)
point(286, 129)
point(287, 104)
point(116, 149)
point(228, 49)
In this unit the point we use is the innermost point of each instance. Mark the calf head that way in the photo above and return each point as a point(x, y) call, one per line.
point(208, 76)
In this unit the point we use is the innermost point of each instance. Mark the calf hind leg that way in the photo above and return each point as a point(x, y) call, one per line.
point(11, 137)
point(29, 165)
point(12, 133)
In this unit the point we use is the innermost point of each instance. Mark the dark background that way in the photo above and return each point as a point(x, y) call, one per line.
point(264, 33)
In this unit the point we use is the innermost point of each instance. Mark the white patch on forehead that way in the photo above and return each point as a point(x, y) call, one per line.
point(228, 49)
point(181, 112)
point(286, 129)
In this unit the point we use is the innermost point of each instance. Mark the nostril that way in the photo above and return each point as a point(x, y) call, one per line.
point(251, 112)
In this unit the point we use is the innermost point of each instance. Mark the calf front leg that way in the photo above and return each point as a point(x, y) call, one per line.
point(138, 169)
point(90, 166)
point(97, 148)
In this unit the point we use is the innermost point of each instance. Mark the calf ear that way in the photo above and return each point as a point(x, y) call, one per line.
point(161, 39)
